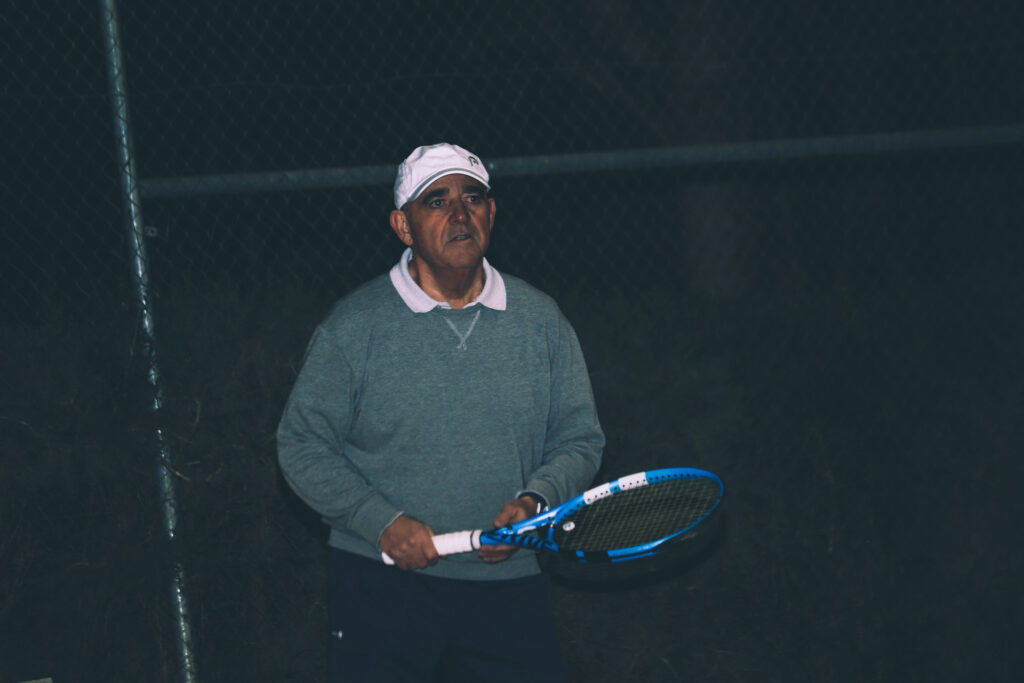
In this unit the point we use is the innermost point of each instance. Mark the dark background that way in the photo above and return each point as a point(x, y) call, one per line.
point(837, 337)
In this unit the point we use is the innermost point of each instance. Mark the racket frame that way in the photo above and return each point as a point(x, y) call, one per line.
point(519, 534)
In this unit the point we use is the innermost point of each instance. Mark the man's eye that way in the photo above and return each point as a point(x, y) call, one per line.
point(436, 203)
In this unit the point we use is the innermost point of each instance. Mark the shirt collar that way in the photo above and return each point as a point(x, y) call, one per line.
point(492, 296)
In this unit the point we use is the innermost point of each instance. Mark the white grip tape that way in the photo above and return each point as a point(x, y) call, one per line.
point(450, 544)
point(457, 542)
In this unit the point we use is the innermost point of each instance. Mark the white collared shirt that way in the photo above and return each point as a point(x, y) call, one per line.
point(492, 296)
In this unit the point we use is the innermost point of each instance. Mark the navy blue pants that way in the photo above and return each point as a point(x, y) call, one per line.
point(390, 625)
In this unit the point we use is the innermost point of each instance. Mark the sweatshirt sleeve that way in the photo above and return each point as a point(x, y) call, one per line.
point(311, 444)
point(574, 441)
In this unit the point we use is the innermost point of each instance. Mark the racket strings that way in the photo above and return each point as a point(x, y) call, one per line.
point(637, 516)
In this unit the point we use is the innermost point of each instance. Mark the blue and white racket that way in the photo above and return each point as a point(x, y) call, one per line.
point(625, 519)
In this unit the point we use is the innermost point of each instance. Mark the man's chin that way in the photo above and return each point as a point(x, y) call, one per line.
point(466, 254)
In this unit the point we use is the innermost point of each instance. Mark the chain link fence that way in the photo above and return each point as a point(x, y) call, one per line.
point(785, 233)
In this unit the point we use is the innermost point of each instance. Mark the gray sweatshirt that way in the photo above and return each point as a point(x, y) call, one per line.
point(442, 415)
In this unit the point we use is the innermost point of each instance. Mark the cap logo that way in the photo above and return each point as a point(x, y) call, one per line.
point(473, 161)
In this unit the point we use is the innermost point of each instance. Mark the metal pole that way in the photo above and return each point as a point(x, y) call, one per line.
point(140, 276)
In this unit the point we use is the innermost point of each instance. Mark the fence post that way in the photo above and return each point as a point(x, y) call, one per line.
point(140, 276)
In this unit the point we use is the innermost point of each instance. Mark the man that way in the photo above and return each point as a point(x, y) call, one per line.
point(439, 397)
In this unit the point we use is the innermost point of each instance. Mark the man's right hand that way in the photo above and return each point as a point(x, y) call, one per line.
point(410, 543)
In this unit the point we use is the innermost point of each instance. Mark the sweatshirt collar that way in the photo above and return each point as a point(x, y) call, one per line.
point(492, 296)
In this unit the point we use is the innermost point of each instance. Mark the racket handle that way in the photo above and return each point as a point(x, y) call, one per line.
point(450, 544)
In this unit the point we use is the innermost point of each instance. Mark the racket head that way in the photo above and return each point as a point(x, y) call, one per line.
point(634, 516)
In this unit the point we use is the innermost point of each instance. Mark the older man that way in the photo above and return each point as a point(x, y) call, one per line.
point(439, 397)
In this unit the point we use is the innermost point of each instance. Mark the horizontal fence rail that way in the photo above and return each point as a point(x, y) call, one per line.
point(618, 160)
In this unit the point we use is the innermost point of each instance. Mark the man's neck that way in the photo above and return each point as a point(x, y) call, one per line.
point(459, 287)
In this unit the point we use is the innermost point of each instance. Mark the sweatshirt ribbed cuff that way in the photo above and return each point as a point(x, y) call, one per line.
point(547, 495)
point(372, 517)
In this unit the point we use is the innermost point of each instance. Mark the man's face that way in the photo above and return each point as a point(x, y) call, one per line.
point(449, 225)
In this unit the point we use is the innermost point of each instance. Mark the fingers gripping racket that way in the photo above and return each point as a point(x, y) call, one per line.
point(625, 519)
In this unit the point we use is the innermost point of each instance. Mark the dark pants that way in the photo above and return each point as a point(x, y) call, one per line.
point(390, 625)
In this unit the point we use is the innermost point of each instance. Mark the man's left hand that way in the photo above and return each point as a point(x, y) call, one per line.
point(513, 511)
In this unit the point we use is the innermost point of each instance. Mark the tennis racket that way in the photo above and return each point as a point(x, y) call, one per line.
point(625, 519)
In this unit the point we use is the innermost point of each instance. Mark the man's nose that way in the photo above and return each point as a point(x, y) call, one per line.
point(460, 213)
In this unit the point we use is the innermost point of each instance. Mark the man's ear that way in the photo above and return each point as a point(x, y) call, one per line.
point(400, 224)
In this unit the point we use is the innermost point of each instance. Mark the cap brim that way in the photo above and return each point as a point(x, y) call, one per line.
point(425, 183)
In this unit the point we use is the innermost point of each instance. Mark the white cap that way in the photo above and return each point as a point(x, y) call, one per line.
point(427, 164)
